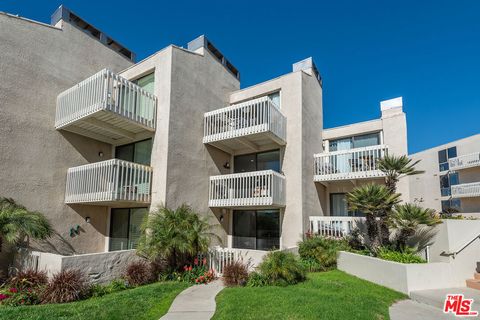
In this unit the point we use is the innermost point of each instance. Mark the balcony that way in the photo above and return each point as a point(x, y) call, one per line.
point(247, 189)
point(108, 108)
point(360, 163)
point(466, 161)
point(249, 126)
point(466, 190)
point(113, 182)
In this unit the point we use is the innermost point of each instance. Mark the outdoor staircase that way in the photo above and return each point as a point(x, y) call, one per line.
point(475, 282)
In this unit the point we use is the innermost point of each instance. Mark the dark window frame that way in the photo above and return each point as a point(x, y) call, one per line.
point(256, 159)
point(134, 144)
point(128, 223)
point(443, 165)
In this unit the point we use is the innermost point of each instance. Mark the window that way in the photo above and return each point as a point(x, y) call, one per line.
point(125, 228)
point(275, 97)
point(443, 157)
point(257, 230)
point(446, 181)
point(451, 206)
point(339, 206)
point(269, 160)
point(147, 83)
point(138, 152)
point(360, 141)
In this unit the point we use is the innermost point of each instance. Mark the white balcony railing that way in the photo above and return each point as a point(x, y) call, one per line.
point(336, 227)
point(108, 92)
point(257, 188)
point(466, 190)
point(465, 161)
point(247, 118)
point(357, 163)
point(108, 181)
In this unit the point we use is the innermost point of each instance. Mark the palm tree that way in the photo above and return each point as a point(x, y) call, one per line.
point(201, 233)
point(18, 225)
point(375, 201)
point(406, 219)
point(395, 168)
point(174, 235)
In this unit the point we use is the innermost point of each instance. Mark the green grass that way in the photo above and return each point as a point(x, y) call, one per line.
point(146, 302)
point(327, 295)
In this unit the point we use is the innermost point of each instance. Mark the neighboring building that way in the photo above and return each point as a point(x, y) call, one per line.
point(451, 182)
point(173, 128)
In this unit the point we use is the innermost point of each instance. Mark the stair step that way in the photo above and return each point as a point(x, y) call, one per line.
point(473, 283)
point(476, 275)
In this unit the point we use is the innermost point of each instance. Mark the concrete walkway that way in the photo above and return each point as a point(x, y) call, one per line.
point(196, 302)
point(412, 310)
point(428, 304)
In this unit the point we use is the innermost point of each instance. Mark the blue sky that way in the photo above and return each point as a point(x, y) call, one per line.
point(367, 51)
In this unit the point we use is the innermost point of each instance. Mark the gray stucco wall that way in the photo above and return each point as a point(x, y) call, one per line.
point(38, 62)
point(187, 84)
point(199, 84)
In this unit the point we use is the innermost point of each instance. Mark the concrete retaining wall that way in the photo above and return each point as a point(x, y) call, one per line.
point(399, 276)
point(99, 267)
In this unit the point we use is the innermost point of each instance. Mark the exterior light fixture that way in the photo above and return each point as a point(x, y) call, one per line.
point(74, 231)
point(87, 219)
point(100, 154)
point(227, 165)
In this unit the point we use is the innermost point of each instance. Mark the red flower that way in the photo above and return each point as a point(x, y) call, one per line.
point(195, 261)
point(13, 290)
point(204, 261)
point(3, 296)
point(190, 268)
point(185, 268)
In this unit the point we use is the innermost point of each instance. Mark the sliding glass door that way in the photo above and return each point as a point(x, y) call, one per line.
point(125, 228)
point(257, 230)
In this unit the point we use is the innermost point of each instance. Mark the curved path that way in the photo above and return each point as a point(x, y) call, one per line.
point(196, 302)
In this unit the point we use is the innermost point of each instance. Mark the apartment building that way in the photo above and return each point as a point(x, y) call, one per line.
point(351, 153)
point(96, 141)
point(451, 182)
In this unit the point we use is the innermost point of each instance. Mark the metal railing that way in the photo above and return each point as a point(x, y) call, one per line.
point(257, 188)
point(466, 190)
point(336, 227)
point(106, 91)
point(465, 161)
point(349, 164)
point(111, 180)
point(250, 117)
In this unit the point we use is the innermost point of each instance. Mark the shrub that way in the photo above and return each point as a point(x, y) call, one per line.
point(28, 278)
point(65, 286)
point(407, 256)
point(282, 268)
point(198, 273)
point(320, 253)
point(256, 279)
point(235, 274)
point(139, 273)
point(98, 290)
point(17, 297)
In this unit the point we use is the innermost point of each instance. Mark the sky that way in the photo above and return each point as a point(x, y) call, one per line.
point(366, 51)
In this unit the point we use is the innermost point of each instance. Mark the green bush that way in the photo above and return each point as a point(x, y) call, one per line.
point(403, 257)
point(256, 279)
point(98, 290)
point(320, 253)
point(282, 268)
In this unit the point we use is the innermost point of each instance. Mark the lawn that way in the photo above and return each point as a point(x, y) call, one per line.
point(146, 302)
point(328, 295)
